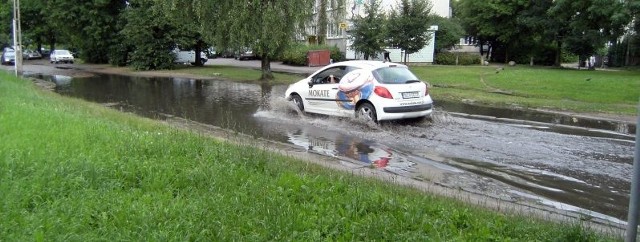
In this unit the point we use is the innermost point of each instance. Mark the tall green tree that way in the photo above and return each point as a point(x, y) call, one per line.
point(268, 27)
point(36, 24)
point(449, 33)
point(368, 32)
point(89, 25)
point(585, 26)
point(494, 22)
point(192, 19)
point(147, 38)
point(408, 26)
point(6, 17)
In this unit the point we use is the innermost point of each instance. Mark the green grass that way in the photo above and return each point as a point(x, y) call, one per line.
point(615, 91)
point(76, 171)
point(241, 74)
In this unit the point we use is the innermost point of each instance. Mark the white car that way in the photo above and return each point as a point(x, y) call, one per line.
point(61, 56)
point(188, 57)
point(372, 90)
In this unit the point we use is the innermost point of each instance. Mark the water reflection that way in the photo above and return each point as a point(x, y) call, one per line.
point(365, 152)
point(221, 103)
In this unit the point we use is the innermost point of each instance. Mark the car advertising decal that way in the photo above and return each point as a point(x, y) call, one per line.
point(353, 87)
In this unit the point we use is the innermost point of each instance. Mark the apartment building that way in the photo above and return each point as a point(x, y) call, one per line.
point(339, 22)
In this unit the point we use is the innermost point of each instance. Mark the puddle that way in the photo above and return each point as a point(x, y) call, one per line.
point(507, 115)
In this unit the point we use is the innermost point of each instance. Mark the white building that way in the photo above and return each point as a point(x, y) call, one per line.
point(338, 36)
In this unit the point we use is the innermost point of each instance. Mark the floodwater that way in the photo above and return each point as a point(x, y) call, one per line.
point(587, 169)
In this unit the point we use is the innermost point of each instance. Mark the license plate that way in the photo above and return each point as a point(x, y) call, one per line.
point(409, 95)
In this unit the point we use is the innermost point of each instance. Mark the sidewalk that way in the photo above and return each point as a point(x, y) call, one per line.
point(256, 64)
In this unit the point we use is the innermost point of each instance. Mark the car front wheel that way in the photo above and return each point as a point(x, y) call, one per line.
point(366, 112)
point(297, 100)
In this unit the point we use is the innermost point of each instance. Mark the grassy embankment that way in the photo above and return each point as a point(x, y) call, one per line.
point(614, 92)
point(241, 74)
point(584, 91)
point(76, 171)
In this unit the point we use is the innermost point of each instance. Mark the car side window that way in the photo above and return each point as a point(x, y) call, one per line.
point(324, 77)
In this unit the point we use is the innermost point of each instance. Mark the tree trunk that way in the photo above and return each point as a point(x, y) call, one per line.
point(321, 35)
point(558, 60)
point(266, 68)
point(198, 49)
point(506, 55)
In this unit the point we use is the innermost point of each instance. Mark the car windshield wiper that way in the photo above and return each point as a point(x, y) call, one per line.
point(412, 81)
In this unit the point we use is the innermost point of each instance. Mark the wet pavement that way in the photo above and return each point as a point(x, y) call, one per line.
point(497, 153)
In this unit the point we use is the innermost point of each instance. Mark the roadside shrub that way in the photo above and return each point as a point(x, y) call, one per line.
point(449, 58)
point(149, 58)
point(297, 54)
point(119, 54)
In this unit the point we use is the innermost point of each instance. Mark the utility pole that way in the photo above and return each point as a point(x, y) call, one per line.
point(17, 37)
point(634, 200)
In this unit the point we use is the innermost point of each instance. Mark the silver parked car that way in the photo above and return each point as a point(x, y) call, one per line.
point(61, 56)
point(8, 56)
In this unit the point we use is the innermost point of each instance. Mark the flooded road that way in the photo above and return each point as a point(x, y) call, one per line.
point(586, 169)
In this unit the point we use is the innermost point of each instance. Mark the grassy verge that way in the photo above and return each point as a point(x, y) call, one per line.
point(76, 171)
point(241, 74)
point(615, 92)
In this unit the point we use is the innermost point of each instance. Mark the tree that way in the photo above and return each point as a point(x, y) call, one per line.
point(585, 26)
point(6, 18)
point(145, 22)
point(37, 28)
point(493, 22)
point(268, 27)
point(368, 31)
point(191, 19)
point(408, 26)
point(449, 33)
point(90, 25)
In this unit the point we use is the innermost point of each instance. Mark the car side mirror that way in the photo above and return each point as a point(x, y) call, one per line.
point(310, 84)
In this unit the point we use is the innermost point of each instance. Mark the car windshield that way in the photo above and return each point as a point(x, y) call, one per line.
point(62, 52)
point(9, 53)
point(394, 75)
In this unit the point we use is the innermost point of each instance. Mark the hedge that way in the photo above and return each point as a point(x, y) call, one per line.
point(449, 58)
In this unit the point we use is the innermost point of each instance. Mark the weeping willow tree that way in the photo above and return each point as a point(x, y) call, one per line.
point(267, 27)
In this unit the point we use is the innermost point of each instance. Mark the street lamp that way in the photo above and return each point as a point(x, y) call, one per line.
point(17, 37)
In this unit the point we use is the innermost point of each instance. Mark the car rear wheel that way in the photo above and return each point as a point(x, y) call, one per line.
point(297, 100)
point(366, 112)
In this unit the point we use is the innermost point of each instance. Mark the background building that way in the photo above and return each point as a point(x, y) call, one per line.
point(339, 22)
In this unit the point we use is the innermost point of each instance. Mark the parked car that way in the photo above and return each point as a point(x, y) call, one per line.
point(211, 52)
point(371, 90)
point(31, 54)
point(8, 56)
point(45, 52)
point(61, 56)
point(188, 56)
point(246, 54)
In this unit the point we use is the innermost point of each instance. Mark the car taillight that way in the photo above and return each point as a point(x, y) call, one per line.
point(382, 92)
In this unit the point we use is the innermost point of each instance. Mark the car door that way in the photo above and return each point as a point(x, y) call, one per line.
point(322, 96)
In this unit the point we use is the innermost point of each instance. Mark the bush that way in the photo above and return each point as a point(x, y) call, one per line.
point(449, 58)
point(297, 54)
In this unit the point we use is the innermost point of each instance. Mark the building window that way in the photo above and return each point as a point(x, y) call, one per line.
point(333, 30)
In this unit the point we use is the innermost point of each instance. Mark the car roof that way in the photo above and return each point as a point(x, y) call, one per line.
point(367, 64)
